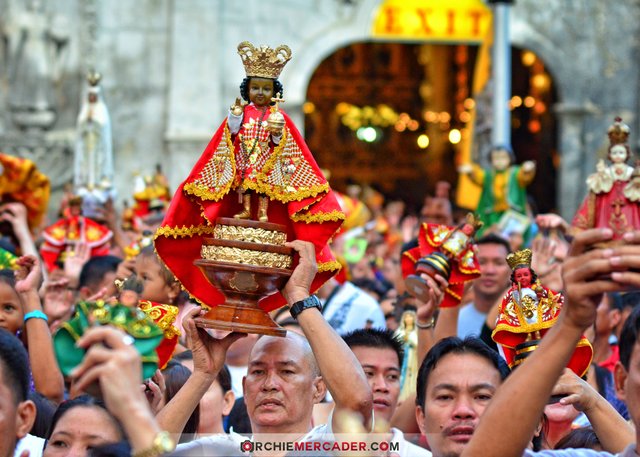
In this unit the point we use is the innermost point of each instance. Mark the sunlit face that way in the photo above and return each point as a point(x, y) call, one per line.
point(79, 430)
point(11, 314)
point(459, 389)
point(155, 288)
point(382, 369)
point(618, 154)
point(500, 159)
point(261, 91)
point(16, 418)
point(280, 388)
point(214, 404)
point(523, 277)
point(494, 270)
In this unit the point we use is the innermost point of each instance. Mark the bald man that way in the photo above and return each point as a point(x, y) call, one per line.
point(285, 377)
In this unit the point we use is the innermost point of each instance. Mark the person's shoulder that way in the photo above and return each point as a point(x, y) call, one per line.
point(320, 432)
point(213, 445)
point(31, 443)
point(407, 448)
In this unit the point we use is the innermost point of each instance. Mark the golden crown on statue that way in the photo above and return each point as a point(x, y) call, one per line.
point(522, 257)
point(263, 62)
point(618, 132)
point(473, 221)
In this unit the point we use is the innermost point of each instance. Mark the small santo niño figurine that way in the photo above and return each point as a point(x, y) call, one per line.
point(527, 311)
point(614, 190)
point(446, 251)
point(503, 185)
point(61, 238)
point(407, 333)
point(257, 156)
point(163, 315)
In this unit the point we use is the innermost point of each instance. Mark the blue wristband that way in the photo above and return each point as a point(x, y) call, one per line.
point(37, 314)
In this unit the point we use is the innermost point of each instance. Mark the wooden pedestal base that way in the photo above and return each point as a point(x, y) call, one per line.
point(243, 286)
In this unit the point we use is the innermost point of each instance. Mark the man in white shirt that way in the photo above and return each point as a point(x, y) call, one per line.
point(381, 354)
point(489, 287)
point(286, 376)
point(347, 307)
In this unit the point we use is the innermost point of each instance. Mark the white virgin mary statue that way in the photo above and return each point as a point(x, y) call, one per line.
point(93, 162)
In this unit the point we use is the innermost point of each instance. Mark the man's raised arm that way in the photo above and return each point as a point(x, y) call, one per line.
point(585, 273)
point(340, 369)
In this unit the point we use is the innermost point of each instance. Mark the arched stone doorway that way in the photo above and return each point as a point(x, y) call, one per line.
point(391, 115)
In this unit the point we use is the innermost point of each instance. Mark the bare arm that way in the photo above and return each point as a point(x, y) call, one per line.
point(112, 219)
point(405, 416)
point(533, 382)
point(16, 214)
point(424, 314)
point(114, 363)
point(47, 377)
point(447, 324)
point(208, 358)
point(614, 433)
point(340, 369)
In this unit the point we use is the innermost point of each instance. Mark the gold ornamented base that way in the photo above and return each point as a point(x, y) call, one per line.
point(243, 263)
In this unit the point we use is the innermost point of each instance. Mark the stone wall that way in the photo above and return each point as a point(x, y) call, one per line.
point(171, 70)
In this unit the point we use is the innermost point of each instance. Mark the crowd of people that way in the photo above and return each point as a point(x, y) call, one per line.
point(367, 359)
point(523, 342)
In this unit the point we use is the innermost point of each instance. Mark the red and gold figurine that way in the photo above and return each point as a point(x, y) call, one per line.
point(528, 310)
point(445, 251)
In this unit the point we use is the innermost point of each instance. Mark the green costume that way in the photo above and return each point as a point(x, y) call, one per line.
point(146, 334)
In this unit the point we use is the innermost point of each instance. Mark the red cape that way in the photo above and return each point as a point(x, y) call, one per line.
point(73, 230)
point(164, 316)
point(512, 328)
point(608, 210)
point(430, 239)
point(304, 203)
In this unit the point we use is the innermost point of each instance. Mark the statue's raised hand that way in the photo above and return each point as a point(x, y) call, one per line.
point(237, 108)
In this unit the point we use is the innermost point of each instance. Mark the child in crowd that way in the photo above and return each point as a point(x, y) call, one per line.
point(160, 285)
point(161, 293)
point(216, 403)
point(21, 314)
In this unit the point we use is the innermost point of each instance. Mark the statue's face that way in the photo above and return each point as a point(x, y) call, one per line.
point(261, 91)
point(500, 159)
point(409, 320)
point(75, 210)
point(618, 154)
point(523, 277)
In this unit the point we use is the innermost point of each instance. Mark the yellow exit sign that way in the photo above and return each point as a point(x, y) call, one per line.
point(432, 20)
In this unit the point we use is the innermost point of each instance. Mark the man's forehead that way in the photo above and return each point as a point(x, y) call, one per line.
point(491, 250)
point(279, 349)
point(464, 369)
point(384, 358)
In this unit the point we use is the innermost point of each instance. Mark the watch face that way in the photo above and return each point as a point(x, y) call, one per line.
point(309, 302)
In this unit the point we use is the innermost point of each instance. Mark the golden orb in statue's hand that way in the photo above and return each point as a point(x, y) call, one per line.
point(275, 122)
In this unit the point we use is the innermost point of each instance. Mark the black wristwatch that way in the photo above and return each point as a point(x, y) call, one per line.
point(310, 302)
